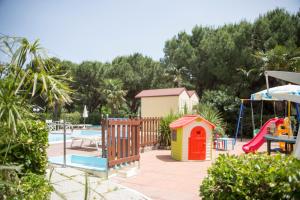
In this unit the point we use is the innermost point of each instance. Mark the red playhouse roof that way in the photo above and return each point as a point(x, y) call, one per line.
point(185, 120)
point(160, 92)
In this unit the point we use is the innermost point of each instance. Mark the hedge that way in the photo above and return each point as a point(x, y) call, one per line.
point(73, 118)
point(252, 176)
point(93, 118)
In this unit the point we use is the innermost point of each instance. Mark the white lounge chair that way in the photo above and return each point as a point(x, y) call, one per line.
point(50, 124)
point(90, 138)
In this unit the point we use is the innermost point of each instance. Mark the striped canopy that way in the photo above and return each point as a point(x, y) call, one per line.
point(277, 93)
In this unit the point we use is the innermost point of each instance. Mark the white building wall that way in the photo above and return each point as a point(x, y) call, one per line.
point(184, 99)
point(194, 100)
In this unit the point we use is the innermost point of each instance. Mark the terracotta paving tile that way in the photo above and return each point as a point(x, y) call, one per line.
point(160, 177)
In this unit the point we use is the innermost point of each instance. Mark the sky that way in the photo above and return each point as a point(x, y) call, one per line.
point(78, 30)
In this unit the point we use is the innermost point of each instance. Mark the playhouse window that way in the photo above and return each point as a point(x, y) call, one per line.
point(174, 136)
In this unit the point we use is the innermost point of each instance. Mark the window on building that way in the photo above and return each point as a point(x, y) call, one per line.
point(174, 136)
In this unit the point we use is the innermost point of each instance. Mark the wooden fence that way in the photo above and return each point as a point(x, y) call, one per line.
point(122, 139)
point(149, 131)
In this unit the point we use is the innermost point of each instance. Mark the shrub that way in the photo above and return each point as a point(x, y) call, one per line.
point(226, 102)
point(24, 154)
point(29, 147)
point(93, 118)
point(252, 176)
point(164, 129)
point(29, 187)
point(74, 117)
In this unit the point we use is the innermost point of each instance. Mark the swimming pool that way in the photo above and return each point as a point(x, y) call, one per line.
point(80, 161)
point(59, 137)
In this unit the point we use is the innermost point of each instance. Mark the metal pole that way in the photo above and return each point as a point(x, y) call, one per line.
point(65, 143)
point(252, 116)
point(298, 112)
point(261, 112)
point(267, 82)
point(274, 108)
point(239, 120)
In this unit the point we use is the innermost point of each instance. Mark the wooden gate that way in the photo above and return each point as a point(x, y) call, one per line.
point(122, 138)
point(121, 141)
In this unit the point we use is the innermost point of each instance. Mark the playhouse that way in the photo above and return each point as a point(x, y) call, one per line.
point(191, 138)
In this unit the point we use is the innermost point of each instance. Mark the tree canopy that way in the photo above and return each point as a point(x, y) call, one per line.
point(225, 63)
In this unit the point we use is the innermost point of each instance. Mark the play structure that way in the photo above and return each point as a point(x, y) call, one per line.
point(191, 138)
point(291, 96)
point(275, 126)
point(259, 139)
point(284, 129)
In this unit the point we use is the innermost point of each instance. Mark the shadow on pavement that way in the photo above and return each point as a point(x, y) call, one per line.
point(166, 158)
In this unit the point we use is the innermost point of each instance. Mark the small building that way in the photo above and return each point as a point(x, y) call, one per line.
point(194, 99)
point(191, 138)
point(161, 102)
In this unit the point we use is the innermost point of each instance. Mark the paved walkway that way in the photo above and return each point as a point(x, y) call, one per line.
point(159, 177)
point(162, 178)
point(71, 184)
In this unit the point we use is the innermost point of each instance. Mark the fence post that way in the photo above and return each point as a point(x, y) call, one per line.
point(138, 127)
point(118, 141)
point(104, 124)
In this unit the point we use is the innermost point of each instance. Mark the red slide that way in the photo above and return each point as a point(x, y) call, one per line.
point(259, 139)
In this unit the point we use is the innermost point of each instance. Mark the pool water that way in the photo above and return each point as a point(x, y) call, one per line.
point(59, 137)
point(80, 161)
point(53, 138)
point(94, 127)
point(89, 132)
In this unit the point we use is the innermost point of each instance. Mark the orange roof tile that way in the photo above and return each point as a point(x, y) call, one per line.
point(185, 120)
point(160, 92)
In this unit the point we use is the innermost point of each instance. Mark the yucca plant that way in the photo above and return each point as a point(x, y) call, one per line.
point(27, 74)
point(211, 114)
point(164, 129)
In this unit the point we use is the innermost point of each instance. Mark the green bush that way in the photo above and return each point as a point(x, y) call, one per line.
point(29, 187)
point(226, 102)
point(93, 118)
point(164, 129)
point(252, 176)
point(29, 147)
point(73, 118)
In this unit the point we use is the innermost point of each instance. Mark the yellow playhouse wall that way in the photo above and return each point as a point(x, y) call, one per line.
point(176, 147)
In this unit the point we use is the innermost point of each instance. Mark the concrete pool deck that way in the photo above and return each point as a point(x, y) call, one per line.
point(160, 177)
point(70, 184)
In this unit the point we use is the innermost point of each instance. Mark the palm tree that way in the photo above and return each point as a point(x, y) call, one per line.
point(280, 58)
point(114, 94)
point(176, 74)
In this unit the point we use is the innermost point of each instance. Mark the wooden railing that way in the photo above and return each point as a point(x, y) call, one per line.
point(121, 139)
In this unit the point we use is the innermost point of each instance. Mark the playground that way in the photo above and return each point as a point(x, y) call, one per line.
point(126, 155)
point(159, 173)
